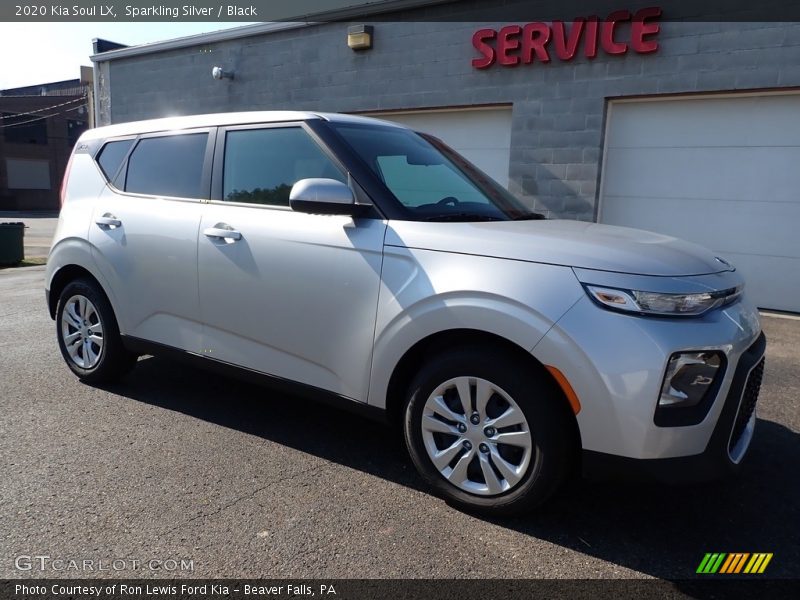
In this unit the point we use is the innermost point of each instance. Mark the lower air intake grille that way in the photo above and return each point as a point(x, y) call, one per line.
point(748, 404)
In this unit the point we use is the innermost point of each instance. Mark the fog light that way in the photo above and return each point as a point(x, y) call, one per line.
point(689, 377)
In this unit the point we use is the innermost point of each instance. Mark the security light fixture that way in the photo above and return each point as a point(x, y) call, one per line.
point(359, 37)
point(218, 73)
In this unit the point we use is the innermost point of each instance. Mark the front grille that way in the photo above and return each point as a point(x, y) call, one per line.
point(748, 404)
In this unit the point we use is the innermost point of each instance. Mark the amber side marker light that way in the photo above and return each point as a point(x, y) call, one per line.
point(572, 397)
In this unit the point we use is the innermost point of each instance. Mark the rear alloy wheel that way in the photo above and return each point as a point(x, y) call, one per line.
point(488, 432)
point(88, 335)
point(82, 332)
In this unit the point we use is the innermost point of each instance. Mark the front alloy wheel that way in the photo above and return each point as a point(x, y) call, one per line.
point(489, 430)
point(476, 436)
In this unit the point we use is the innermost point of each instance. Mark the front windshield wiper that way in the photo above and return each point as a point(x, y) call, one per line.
point(534, 216)
point(464, 217)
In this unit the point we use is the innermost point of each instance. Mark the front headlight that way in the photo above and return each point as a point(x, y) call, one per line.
point(657, 303)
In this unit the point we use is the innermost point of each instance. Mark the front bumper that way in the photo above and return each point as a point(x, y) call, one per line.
point(726, 449)
point(615, 363)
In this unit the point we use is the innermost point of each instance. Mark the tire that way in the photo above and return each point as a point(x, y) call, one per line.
point(88, 334)
point(520, 471)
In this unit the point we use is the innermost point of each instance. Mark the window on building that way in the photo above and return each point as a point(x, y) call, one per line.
point(168, 166)
point(111, 157)
point(24, 129)
point(75, 128)
point(28, 174)
point(262, 165)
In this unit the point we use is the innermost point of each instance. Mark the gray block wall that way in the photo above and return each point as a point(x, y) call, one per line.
point(558, 108)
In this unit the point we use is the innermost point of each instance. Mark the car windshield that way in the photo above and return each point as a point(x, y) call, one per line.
point(429, 179)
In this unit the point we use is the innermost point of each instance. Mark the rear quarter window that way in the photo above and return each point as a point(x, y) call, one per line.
point(111, 157)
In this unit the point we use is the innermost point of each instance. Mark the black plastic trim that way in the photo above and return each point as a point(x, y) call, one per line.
point(713, 463)
point(329, 208)
point(90, 147)
point(279, 384)
point(682, 416)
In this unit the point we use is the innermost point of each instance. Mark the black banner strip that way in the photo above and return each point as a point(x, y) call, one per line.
point(388, 10)
point(384, 589)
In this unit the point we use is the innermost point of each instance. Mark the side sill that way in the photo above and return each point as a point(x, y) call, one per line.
point(279, 384)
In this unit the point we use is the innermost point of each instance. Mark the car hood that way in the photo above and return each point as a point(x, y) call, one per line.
point(562, 242)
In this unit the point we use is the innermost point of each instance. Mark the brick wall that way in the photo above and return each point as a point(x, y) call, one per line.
point(55, 152)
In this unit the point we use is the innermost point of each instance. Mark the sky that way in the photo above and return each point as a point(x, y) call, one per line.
point(35, 53)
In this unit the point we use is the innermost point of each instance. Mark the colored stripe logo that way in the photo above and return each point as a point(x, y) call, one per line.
point(734, 562)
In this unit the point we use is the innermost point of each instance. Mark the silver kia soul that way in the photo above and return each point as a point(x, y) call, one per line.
point(366, 263)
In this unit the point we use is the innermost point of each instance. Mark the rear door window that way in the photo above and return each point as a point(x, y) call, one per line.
point(168, 166)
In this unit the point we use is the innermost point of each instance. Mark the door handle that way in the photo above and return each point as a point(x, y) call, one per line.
point(108, 220)
point(222, 231)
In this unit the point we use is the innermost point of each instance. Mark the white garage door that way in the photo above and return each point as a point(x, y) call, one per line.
point(483, 136)
point(723, 172)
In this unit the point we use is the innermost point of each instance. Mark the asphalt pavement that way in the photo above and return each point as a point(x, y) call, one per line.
point(178, 464)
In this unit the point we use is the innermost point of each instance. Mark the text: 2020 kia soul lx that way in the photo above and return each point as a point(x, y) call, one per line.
point(372, 264)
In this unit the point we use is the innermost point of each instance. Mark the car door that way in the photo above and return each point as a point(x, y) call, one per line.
point(289, 294)
point(144, 235)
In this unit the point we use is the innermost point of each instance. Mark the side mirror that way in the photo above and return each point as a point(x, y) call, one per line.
point(323, 197)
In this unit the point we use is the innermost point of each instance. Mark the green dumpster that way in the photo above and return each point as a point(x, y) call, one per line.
point(12, 250)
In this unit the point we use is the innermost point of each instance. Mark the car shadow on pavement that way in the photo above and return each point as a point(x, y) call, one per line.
point(663, 531)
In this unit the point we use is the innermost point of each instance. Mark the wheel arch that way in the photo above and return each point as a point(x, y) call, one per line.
point(413, 359)
point(71, 258)
point(62, 277)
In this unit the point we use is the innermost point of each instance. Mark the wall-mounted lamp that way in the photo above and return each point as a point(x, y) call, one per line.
point(359, 37)
point(218, 74)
